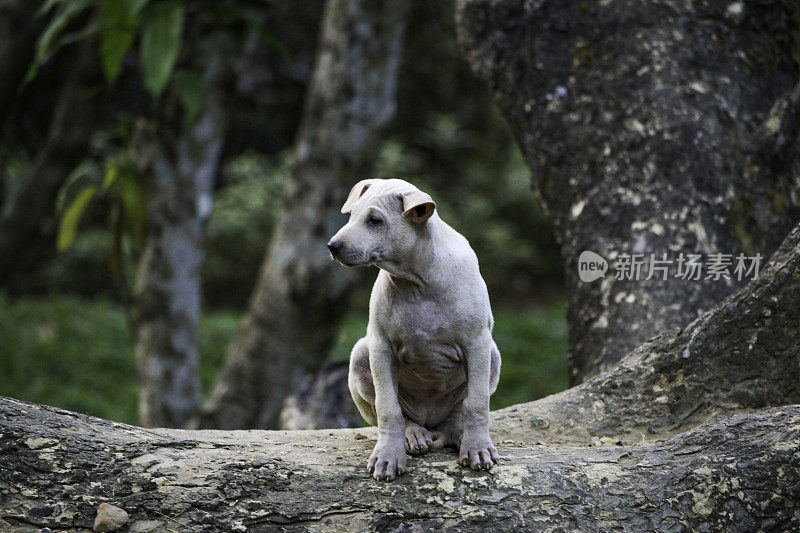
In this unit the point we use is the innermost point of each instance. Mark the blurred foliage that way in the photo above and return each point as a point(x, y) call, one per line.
point(532, 345)
point(447, 137)
point(108, 187)
point(70, 353)
point(114, 182)
point(78, 354)
point(240, 226)
point(494, 208)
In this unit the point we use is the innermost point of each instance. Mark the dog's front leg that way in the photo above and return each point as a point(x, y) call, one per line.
point(477, 450)
point(388, 459)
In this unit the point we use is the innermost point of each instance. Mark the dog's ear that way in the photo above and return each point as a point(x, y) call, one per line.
point(418, 206)
point(356, 192)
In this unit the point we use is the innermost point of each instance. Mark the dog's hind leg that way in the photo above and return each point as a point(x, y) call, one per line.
point(359, 380)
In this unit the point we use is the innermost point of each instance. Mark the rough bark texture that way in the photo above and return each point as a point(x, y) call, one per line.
point(301, 294)
point(167, 299)
point(656, 444)
point(737, 474)
point(650, 127)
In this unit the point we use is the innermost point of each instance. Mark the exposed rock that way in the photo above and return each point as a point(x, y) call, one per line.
point(109, 518)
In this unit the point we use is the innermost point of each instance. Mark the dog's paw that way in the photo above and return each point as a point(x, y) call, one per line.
point(478, 452)
point(388, 460)
point(418, 439)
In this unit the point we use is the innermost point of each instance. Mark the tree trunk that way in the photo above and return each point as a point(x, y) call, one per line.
point(742, 355)
point(167, 299)
point(668, 440)
point(302, 295)
point(649, 128)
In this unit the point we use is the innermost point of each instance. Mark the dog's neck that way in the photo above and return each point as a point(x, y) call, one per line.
point(419, 269)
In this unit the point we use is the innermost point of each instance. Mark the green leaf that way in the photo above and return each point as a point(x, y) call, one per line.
point(48, 42)
point(48, 5)
point(112, 171)
point(117, 257)
point(161, 42)
point(78, 35)
point(68, 227)
point(86, 173)
point(117, 31)
point(135, 6)
point(134, 204)
point(190, 92)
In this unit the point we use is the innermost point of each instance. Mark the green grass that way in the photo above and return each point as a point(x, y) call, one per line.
point(78, 354)
point(70, 353)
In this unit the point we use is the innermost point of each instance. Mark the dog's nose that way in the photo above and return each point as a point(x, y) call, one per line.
point(334, 246)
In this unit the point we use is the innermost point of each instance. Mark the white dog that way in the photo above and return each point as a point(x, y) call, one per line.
point(428, 363)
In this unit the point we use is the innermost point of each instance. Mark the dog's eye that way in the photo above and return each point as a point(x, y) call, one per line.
point(374, 221)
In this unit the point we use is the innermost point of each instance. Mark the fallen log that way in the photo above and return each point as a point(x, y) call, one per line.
point(741, 473)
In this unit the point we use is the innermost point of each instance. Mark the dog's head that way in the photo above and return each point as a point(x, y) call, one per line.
point(387, 217)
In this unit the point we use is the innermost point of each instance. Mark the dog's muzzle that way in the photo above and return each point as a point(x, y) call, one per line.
point(348, 257)
point(335, 247)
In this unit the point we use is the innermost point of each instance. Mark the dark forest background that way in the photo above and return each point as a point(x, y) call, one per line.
point(75, 138)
